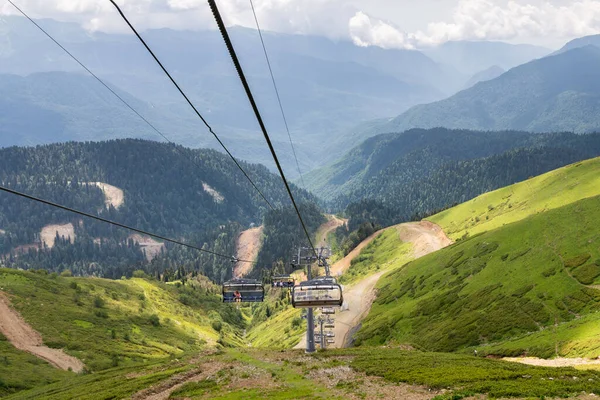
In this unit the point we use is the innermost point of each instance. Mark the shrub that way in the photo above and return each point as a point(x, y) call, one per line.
point(577, 261)
point(154, 320)
point(66, 273)
point(586, 274)
point(217, 326)
point(98, 302)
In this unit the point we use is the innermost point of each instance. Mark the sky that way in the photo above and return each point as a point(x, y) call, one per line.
point(402, 24)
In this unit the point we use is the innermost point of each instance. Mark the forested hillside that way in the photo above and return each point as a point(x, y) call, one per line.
point(196, 195)
point(398, 177)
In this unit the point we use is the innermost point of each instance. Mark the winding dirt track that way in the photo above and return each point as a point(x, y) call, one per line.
point(331, 225)
point(25, 338)
point(425, 237)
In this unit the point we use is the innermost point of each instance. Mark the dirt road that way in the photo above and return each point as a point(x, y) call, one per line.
point(247, 248)
point(25, 338)
point(425, 238)
point(331, 225)
point(342, 265)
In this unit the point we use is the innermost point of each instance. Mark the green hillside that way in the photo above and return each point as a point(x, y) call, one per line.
point(513, 203)
point(108, 323)
point(555, 93)
point(523, 278)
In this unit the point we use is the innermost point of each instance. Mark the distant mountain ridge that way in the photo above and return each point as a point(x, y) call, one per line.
point(557, 93)
point(326, 87)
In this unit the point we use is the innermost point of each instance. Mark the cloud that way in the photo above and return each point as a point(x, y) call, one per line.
point(366, 31)
point(487, 19)
point(338, 19)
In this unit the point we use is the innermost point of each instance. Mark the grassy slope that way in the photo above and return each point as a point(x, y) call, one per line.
point(384, 252)
point(499, 285)
point(513, 203)
point(20, 370)
point(107, 323)
point(260, 374)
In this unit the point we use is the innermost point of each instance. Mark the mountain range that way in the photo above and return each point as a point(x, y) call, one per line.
point(555, 93)
point(327, 87)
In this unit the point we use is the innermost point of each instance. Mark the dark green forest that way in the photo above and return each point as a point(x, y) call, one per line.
point(449, 171)
point(164, 194)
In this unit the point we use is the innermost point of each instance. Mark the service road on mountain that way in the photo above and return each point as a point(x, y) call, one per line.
point(21, 335)
point(425, 238)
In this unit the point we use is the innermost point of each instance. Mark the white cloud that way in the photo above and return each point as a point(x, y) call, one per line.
point(366, 31)
point(341, 19)
point(501, 20)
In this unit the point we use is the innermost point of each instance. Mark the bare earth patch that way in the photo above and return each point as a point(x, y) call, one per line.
point(555, 362)
point(217, 197)
point(247, 248)
point(112, 194)
point(151, 247)
point(25, 338)
point(48, 233)
point(355, 385)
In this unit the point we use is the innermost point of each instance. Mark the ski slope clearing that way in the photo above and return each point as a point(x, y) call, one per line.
point(247, 248)
point(516, 202)
point(113, 196)
point(25, 338)
point(150, 246)
point(48, 233)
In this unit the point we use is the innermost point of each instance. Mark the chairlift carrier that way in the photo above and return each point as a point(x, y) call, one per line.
point(251, 291)
point(284, 281)
point(321, 292)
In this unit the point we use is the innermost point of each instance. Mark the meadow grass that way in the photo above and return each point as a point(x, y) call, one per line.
point(21, 371)
point(496, 286)
point(384, 252)
point(516, 202)
point(111, 323)
point(467, 375)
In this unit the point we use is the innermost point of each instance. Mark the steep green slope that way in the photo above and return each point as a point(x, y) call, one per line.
point(513, 203)
point(556, 93)
point(522, 278)
point(109, 323)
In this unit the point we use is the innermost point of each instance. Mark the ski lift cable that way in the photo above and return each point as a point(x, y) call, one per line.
point(187, 99)
point(248, 91)
point(85, 214)
point(277, 93)
point(153, 127)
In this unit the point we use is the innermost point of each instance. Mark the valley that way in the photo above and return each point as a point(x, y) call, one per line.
point(455, 179)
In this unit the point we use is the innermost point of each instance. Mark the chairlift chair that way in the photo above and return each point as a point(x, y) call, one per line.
point(330, 334)
point(321, 292)
point(330, 341)
point(283, 281)
point(250, 291)
point(329, 326)
point(328, 310)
